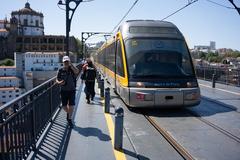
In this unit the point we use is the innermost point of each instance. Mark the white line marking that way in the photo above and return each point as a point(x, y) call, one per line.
point(220, 89)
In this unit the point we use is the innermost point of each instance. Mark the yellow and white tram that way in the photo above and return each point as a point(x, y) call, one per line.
point(149, 65)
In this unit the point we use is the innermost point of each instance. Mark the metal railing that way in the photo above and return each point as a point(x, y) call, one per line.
point(222, 75)
point(23, 120)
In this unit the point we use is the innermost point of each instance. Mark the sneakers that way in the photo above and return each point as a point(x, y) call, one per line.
point(69, 121)
point(67, 116)
point(88, 101)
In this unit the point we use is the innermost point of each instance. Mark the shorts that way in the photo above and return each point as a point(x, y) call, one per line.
point(68, 97)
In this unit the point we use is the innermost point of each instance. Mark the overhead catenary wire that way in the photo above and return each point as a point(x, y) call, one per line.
point(189, 3)
point(125, 15)
point(220, 4)
point(97, 36)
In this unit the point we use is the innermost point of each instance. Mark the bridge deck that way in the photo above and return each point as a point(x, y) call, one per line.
point(224, 94)
point(92, 136)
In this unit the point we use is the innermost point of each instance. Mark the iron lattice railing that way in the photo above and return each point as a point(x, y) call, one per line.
point(23, 120)
point(222, 75)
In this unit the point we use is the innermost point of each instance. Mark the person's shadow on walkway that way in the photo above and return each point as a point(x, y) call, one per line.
point(91, 131)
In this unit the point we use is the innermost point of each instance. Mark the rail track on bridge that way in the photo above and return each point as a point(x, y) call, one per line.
point(178, 147)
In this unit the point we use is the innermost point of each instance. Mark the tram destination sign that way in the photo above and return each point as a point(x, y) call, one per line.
point(152, 30)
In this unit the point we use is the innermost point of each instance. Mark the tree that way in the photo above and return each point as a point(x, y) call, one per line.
point(7, 62)
point(202, 55)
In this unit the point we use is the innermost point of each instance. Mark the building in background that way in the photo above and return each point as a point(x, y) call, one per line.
point(35, 68)
point(4, 33)
point(25, 33)
point(212, 46)
point(30, 22)
point(205, 48)
point(42, 61)
point(10, 85)
point(8, 34)
point(37, 56)
point(4, 24)
point(47, 43)
point(7, 71)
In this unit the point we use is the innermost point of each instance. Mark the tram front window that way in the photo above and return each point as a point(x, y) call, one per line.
point(158, 58)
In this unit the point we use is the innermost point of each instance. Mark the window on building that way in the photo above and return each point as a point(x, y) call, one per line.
point(51, 48)
point(37, 23)
point(59, 40)
point(17, 95)
point(25, 22)
point(35, 40)
point(43, 47)
point(3, 96)
point(19, 40)
point(10, 96)
point(51, 40)
point(27, 40)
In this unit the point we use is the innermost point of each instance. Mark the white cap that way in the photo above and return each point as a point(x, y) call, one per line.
point(66, 58)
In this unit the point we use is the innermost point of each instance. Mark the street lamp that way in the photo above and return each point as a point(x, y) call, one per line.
point(235, 6)
point(71, 6)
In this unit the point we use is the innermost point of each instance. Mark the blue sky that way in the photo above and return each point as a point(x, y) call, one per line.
point(200, 23)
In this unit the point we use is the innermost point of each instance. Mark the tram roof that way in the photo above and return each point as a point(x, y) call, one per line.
point(149, 28)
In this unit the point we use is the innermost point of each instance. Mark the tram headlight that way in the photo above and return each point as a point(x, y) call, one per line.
point(192, 84)
point(137, 84)
point(192, 95)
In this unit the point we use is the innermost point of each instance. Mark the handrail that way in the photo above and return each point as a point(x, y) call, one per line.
point(25, 94)
point(222, 75)
point(23, 120)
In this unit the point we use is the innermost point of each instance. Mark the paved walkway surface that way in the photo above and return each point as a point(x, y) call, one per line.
point(91, 137)
point(223, 94)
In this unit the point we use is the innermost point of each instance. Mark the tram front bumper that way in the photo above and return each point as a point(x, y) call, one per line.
point(164, 98)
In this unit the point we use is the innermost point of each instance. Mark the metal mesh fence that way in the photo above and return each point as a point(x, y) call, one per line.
point(222, 75)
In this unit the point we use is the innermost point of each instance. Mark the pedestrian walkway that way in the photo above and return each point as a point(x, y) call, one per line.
point(224, 94)
point(91, 137)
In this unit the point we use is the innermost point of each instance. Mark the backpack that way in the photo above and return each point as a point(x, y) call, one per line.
point(90, 74)
point(73, 76)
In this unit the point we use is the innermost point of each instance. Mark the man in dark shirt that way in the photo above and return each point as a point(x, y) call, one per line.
point(89, 75)
point(66, 78)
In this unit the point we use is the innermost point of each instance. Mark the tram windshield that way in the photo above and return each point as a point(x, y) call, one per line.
point(158, 58)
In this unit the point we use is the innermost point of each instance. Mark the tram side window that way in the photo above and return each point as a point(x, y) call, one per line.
point(106, 52)
point(111, 57)
point(119, 60)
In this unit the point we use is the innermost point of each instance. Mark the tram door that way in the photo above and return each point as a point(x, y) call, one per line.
point(117, 55)
point(115, 68)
